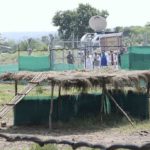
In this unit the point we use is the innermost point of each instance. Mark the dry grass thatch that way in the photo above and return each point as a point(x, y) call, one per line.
point(84, 79)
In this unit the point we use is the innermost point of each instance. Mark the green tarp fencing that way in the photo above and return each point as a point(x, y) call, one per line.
point(32, 63)
point(125, 61)
point(8, 68)
point(35, 110)
point(42, 63)
point(64, 67)
point(137, 58)
point(137, 105)
point(139, 49)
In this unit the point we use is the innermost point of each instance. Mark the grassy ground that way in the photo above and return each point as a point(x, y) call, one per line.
point(89, 130)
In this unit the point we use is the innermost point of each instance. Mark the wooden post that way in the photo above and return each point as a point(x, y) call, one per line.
point(63, 55)
point(148, 94)
point(16, 87)
point(18, 51)
point(148, 88)
point(125, 114)
point(102, 99)
point(102, 105)
point(85, 53)
point(18, 57)
point(51, 107)
point(59, 101)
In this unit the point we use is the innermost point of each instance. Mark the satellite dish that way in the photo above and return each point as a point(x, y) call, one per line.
point(97, 23)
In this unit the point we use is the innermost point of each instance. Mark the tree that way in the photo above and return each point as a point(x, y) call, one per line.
point(23, 45)
point(1, 39)
point(118, 29)
point(45, 40)
point(77, 21)
point(35, 44)
point(66, 22)
point(147, 24)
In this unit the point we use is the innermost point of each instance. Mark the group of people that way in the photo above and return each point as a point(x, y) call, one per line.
point(102, 59)
point(96, 60)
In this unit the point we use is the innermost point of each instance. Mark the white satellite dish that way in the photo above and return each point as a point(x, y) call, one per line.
point(97, 23)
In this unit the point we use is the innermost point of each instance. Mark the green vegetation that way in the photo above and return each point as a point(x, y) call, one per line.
point(76, 21)
point(55, 147)
point(45, 147)
point(8, 58)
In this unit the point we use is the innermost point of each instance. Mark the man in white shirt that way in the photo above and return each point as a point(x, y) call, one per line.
point(89, 61)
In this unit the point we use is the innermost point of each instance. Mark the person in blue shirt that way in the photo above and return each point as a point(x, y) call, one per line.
point(103, 59)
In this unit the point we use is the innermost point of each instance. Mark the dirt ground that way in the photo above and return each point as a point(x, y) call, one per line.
point(125, 134)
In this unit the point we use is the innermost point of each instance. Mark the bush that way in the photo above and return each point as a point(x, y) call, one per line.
point(45, 147)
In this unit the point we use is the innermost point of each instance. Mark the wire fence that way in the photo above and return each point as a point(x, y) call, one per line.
point(74, 145)
point(63, 56)
point(89, 57)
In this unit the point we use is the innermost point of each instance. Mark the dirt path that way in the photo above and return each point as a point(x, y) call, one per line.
point(105, 137)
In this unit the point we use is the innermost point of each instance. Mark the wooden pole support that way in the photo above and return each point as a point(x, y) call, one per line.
point(125, 114)
point(51, 107)
point(16, 87)
point(148, 88)
point(59, 101)
point(102, 99)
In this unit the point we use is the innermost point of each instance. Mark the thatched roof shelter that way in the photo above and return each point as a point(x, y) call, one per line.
point(84, 79)
point(81, 80)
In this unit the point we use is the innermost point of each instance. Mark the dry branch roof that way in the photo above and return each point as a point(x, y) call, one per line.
point(84, 79)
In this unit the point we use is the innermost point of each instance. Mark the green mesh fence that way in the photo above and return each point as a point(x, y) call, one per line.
point(139, 49)
point(33, 63)
point(125, 61)
point(35, 110)
point(137, 105)
point(139, 61)
point(42, 63)
point(63, 67)
point(68, 108)
point(8, 68)
point(137, 58)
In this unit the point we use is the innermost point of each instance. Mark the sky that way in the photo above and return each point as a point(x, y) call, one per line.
point(36, 15)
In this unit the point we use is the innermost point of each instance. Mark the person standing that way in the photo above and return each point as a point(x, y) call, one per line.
point(89, 61)
point(112, 58)
point(29, 46)
point(103, 59)
point(70, 58)
point(29, 51)
point(96, 60)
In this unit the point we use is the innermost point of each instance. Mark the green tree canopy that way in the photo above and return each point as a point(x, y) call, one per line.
point(76, 21)
point(35, 44)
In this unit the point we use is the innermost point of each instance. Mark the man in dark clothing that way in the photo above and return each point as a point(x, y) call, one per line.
point(70, 58)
